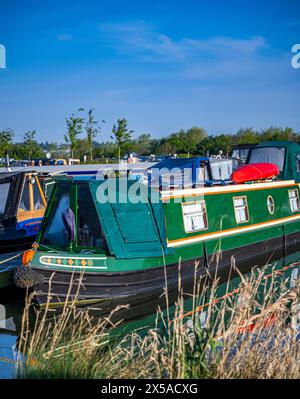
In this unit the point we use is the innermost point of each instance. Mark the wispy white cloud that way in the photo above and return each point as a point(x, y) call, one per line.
point(217, 58)
point(139, 40)
point(64, 37)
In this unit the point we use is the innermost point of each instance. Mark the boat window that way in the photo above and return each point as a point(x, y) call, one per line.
point(244, 153)
point(56, 232)
point(25, 203)
point(235, 154)
point(294, 200)
point(202, 174)
point(269, 155)
point(89, 229)
point(194, 216)
point(37, 199)
point(270, 204)
point(4, 190)
point(241, 209)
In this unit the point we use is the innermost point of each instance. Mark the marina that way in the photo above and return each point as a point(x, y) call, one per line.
point(110, 241)
point(149, 195)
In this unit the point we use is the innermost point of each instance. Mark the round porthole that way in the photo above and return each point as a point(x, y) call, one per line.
point(271, 205)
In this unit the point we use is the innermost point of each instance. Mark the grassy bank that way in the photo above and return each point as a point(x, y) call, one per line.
point(250, 332)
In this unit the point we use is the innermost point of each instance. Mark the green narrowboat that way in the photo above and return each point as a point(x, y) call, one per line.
point(120, 242)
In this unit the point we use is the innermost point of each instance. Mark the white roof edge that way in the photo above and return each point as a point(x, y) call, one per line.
point(233, 187)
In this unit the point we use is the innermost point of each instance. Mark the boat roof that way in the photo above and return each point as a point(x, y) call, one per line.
point(180, 162)
point(291, 145)
point(81, 169)
point(9, 175)
point(167, 194)
point(243, 146)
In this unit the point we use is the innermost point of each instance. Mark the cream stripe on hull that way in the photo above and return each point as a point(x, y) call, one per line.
point(218, 234)
point(165, 195)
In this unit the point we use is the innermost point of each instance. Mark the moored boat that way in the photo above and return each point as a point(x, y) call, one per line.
point(22, 207)
point(105, 243)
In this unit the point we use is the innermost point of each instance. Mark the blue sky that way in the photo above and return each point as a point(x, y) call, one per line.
point(163, 65)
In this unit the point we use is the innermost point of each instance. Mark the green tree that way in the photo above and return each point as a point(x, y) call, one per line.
point(91, 131)
point(82, 149)
point(6, 138)
point(105, 150)
point(246, 136)
point(142, 144)
point(74, 129)
point(121, 135)
point(214, 144)
point(30, 145)
point(278, 134)
point(193, 138)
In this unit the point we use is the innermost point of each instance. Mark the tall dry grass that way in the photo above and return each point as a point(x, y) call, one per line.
point(250, 331)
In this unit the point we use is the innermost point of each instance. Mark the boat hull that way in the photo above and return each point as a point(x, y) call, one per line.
point(8, 263)
point(144, 290)
point(17, 244)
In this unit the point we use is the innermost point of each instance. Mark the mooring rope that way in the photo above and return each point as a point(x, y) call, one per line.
point(9, 259)
point(7, 360)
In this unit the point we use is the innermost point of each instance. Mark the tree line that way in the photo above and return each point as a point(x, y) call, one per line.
point(193, 141)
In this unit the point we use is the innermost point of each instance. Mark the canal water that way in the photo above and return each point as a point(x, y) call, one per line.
point(11, 308)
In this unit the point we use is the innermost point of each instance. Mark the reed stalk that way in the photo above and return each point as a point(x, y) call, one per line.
point(250, 331)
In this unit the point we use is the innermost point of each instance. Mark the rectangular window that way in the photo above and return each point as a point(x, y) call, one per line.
point(56, 232)
point(37, 198)
point(194, 216)
point(4, 190)
point(294, 200)
point(89, 231)
point(25, 201)
point(298, 162)
point(241, 209)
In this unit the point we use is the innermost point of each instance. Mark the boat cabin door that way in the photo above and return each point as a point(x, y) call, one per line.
point(32, 203)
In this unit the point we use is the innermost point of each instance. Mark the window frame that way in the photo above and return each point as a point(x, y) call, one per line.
point(200, 202)
point(24, 214)
point(48, 219)
point(73, 246)
point(244, 197)
point(295, 190)
point(9, 183)
point(298, 162)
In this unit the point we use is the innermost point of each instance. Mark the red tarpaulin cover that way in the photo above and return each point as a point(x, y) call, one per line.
point(255, 171)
